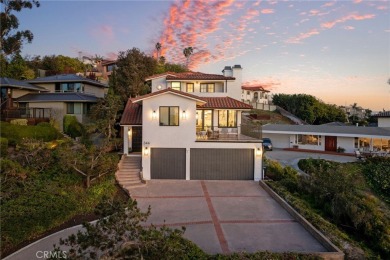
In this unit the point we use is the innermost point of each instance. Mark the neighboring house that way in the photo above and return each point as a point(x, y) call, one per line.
point(255, 94)
point(190, 128)
point(383, 119)
point(58, 95)
point(328, 138)
point(105, 68)
point(357, 113)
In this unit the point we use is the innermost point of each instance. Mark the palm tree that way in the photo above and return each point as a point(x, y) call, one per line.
point(158, 48)
point(187, 53)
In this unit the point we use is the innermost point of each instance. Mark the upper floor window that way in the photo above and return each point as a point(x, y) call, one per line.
point(176, 85)
point(111, 67)
point(227, 118)
point(190, 87)
point(169, 116)
point(69, 87)
point(207, 87)
point(248, 93)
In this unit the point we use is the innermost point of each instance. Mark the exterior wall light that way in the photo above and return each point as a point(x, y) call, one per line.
point(146, 151)
point(184, 114)
point(258, 151)
point(154, 114)
point(159, 87)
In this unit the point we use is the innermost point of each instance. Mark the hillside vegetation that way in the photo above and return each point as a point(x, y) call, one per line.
point(347, 202)
point(309, 108)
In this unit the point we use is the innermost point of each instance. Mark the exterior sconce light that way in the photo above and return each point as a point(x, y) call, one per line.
point(154, 114)
point(184, 114)
point(146, 151)
point(197, 116)
point(258, 151)
point(159, 87)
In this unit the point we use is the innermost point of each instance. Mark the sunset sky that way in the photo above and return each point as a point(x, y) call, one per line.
point(338, 51)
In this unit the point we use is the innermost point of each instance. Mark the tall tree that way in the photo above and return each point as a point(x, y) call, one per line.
point(133, 66)
point(17, 68)
point(105, 112)
point(187, 53)
point(12, 40)
point(158, 48)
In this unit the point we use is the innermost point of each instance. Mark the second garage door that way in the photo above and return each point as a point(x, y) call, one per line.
point(222, 164)
point(168, 163)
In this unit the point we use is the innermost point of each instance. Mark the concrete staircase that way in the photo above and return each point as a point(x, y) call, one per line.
point(128, 174)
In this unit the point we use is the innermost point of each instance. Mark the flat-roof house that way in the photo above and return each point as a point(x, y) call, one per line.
point(383, 119)
point(328, 137)
point(190, 128)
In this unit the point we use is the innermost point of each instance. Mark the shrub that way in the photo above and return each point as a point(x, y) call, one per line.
point(16, 133)
point(3, 146)
point(72, 127)
point(377, 174)
point(19, 121)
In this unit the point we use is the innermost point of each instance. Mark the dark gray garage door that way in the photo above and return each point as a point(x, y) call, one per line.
point(222, 164)
point(168, 163)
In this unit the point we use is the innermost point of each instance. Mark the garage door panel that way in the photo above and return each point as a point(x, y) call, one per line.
point(168, 163)
point(222, 164)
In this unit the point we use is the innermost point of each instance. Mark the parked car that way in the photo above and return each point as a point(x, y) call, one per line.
point(267, 144)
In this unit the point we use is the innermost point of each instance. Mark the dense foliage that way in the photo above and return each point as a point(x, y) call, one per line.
point(72, 126)
point(40, 190)
point(17, 133)
point(377, 173)
point(341, 195)
point(11, 40)
point(309, 108)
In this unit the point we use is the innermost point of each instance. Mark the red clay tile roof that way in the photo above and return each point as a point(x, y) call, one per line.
point(174, 91)
point(224, 102)
point(190, 76)
point(254, 88)
point(132, 115)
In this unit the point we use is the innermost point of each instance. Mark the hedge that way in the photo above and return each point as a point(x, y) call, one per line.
point(16, 133)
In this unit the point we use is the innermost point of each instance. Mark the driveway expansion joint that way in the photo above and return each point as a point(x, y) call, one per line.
point(217, 225)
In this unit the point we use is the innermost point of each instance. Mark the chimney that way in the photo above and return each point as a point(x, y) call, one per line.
point(227, 71)
point(237, 73)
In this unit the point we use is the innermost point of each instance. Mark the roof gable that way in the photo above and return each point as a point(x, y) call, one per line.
point(169, 90)
point(190, 75)
point(254, 88)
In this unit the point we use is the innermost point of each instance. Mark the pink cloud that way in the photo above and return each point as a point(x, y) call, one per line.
point(302, 36)
point(356, 17)
point(329, 4)
point(267, 11)
point(267, 84)
point(357, 1)
point(349, 28)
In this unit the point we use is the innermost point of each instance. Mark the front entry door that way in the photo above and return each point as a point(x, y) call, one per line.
point(331, 143)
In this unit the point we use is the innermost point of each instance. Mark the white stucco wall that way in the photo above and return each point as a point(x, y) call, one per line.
point(182, 136)
point(348, 143)
point(383, 121)
point(278, 140)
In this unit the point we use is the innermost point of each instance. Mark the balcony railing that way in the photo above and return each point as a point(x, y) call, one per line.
point(15, 113)
point(240, 133)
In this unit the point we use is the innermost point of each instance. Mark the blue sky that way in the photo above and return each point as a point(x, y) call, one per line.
point(337, 51)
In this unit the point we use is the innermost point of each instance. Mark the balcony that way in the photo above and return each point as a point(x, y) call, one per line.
point(33, 115)
point(242, 133)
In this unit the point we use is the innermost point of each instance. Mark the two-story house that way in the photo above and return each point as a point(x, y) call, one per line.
point(189, 127)
point(255, 94)
point(53, 96)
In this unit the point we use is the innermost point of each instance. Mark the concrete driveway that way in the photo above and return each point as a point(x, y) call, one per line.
point(225, 216)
